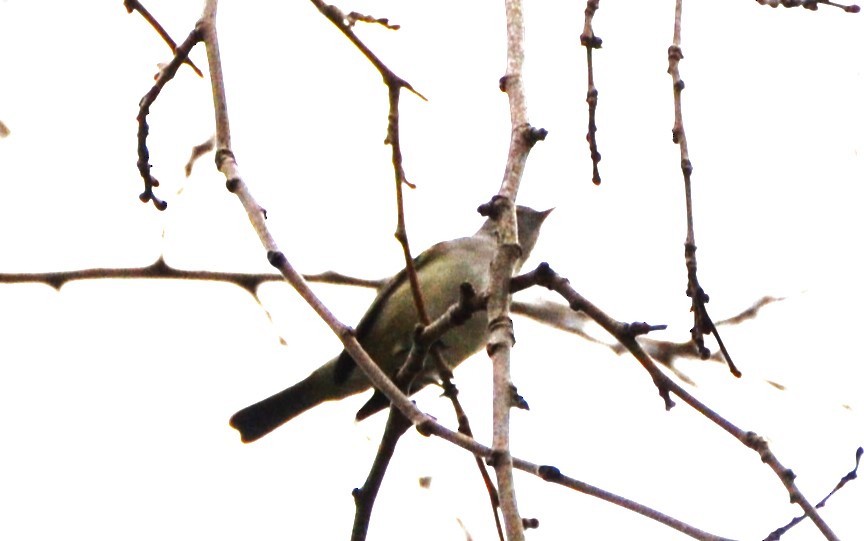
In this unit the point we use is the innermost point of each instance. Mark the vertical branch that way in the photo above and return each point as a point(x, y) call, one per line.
point(678, 135)
point(501, 336)
point(702, 323)
point(503, 209)
point(394, 91)
point(591, 42)
point(395, 84)
point(207, 28)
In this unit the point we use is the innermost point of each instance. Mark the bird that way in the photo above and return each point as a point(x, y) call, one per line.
point(386, 329)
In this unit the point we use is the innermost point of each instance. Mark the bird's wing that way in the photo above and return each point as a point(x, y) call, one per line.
point(345, 363)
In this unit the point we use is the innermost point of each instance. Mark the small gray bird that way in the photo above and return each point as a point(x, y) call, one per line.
point(386, 330)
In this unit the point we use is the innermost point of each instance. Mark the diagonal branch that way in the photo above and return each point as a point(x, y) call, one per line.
point(626, 333)
point(135, 5)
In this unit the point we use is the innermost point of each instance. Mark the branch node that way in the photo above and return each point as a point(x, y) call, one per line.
point(532, 135)
point(638, 328)
point(426, 428)
point(687, 167)
point(590, 41)
point(549, 473)
point(494, 207)
point(530, 523)
point(494, 458)
point(276, 258)
point(501, 322)
point(464, 308)
point(223, 154)
point(516, 400)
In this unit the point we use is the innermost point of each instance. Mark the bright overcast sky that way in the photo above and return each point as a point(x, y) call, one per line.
point(115, 395)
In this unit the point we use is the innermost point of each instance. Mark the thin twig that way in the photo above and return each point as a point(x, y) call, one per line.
point(812, 5)
point(591, 42)
point(553, 475)
point(626, 333)
point(851, 476)
point(166, 74)
point(134, 5)
point(702, 323)
point(160, 270)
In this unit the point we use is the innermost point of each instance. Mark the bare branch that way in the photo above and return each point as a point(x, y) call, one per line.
point(812, 5)
point(167, 73)
point(502, 208)
point(197, 152)
point(626, 334)
point(851, 476)
point(591, 42)
point(134, 5)
point(702, 323)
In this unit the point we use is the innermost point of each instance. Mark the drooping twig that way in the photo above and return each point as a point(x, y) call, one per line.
point(702, 323)
point(591, 42)
point(166, 74)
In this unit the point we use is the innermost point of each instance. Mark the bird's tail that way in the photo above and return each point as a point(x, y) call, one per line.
point(320, 386)
point(263, 417)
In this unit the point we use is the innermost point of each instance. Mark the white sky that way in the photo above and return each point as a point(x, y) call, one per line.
point(115, 395)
